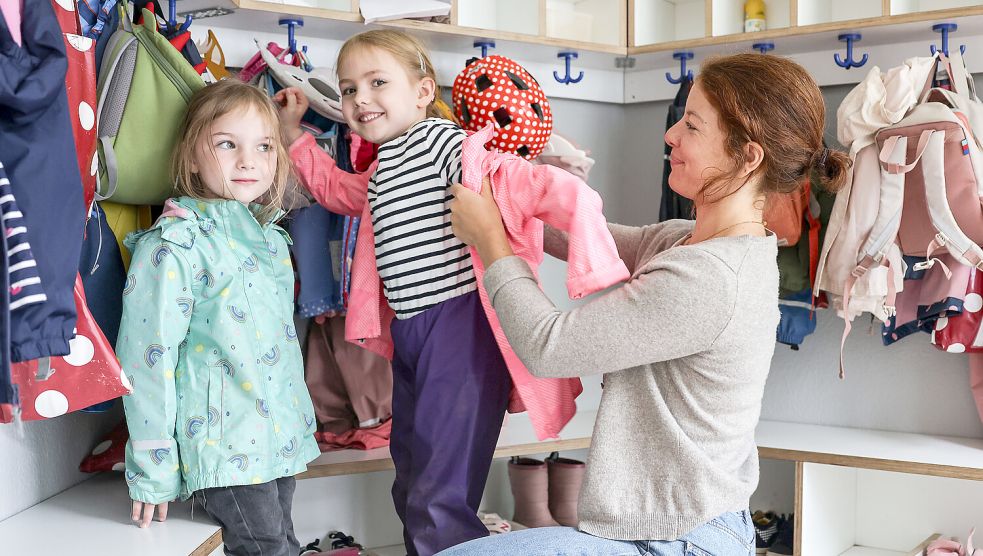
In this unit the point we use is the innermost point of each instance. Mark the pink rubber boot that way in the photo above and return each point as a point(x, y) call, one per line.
point(530, 486)
point(566, 476)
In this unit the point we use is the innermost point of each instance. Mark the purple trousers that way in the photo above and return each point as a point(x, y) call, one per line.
point(450, 392)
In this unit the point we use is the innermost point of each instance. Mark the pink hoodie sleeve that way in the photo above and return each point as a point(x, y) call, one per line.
point(565, 202)
point(335, 189)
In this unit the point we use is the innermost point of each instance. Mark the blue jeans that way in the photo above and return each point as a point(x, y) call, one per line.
point(730, 534)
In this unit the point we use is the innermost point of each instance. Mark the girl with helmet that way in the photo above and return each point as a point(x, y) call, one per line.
point(454, 374)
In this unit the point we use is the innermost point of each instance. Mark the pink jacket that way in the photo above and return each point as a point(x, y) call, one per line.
point(527, 196)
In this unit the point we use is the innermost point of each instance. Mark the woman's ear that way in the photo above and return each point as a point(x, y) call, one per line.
point(426, 92)
point(754, 156)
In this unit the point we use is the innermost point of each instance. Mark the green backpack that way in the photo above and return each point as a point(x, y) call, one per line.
point(144, 88)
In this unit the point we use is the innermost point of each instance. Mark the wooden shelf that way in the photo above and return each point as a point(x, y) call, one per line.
point(97, 510)
point(517, 439)
point(797, 31)
point(869, 551)
point(940, 456)
point(93, 517)
point(342, 24)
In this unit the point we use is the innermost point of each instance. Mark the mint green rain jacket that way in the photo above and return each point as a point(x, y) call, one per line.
point(208, 342)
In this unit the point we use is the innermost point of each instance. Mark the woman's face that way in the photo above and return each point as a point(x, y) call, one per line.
point(697, 142)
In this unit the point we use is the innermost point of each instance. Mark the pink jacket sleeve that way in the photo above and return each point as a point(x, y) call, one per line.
point(565, 202)
point(335, 189)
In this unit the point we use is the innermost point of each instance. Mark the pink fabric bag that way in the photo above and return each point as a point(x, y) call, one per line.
point(11, 13)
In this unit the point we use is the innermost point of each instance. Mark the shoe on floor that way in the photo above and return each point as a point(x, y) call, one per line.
point(784, 538)
point(765, 530)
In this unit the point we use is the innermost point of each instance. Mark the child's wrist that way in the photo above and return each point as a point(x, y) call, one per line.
point(292, 134)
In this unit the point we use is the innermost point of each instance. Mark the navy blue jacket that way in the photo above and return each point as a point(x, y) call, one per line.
point(39, 155)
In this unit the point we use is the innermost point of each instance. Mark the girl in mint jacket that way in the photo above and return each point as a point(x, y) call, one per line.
point(219, 408)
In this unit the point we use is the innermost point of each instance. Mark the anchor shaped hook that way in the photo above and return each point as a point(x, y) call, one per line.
point(172, 18)
point(763, 47)
point(567, 79)
point(849, 39)
point(292, 24)
point(683, 74)
point(484, 46)
point(945, 29)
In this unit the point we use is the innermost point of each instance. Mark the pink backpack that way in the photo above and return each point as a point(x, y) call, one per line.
point(915, 189)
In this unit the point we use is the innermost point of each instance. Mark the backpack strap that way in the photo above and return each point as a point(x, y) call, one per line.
point(885, 229)
point(949, 235)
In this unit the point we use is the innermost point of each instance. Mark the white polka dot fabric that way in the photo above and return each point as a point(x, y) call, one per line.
point(87, 375)
point(80, 85)
point(497, 90)
point(960, 332)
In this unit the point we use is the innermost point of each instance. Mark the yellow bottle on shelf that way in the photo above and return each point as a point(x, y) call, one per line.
point(754, 16)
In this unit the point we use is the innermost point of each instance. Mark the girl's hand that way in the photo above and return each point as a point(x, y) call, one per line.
point(293, 104)
point(142, 513)
point(477, 221)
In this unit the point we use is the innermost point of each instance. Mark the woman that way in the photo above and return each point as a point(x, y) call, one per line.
point(685, 345)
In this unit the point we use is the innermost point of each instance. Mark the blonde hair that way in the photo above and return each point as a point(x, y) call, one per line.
point(207, 105)
point(408, 51)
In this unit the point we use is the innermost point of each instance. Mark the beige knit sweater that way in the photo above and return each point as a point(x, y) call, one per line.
point(685, 347)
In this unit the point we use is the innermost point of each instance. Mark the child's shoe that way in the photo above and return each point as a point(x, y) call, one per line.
point(765, 530)
point(785, 537)
point(949, 547)
point(565, 478)
point(530, 488)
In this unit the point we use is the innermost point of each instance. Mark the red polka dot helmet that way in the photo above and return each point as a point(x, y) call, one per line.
point(498, 90)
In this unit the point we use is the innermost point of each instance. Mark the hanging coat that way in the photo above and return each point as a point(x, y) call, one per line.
point(674, 205)
point(318, 237)
point(35, 130)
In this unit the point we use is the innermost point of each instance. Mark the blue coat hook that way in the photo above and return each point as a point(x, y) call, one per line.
point(291, 24)
point(567, 79)
point(683, 74)
point(849, 39)
point(172, 18)
point(945, 29)
point(763, 47)
point(484, 46)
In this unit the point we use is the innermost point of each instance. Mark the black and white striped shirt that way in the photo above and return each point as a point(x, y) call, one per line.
point(420, 260)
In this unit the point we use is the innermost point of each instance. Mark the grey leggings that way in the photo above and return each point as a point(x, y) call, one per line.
point(255, 519)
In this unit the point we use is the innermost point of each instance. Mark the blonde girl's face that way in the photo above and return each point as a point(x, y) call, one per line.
point(235, 157)
point(379, 98)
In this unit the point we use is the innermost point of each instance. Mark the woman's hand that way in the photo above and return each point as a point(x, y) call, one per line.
point(293, 104)
point(142, 513)
point(477, 221)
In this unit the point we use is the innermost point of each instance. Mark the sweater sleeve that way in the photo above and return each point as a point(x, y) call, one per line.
point(676, 308)
point(157, 307)
point(339, 191)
